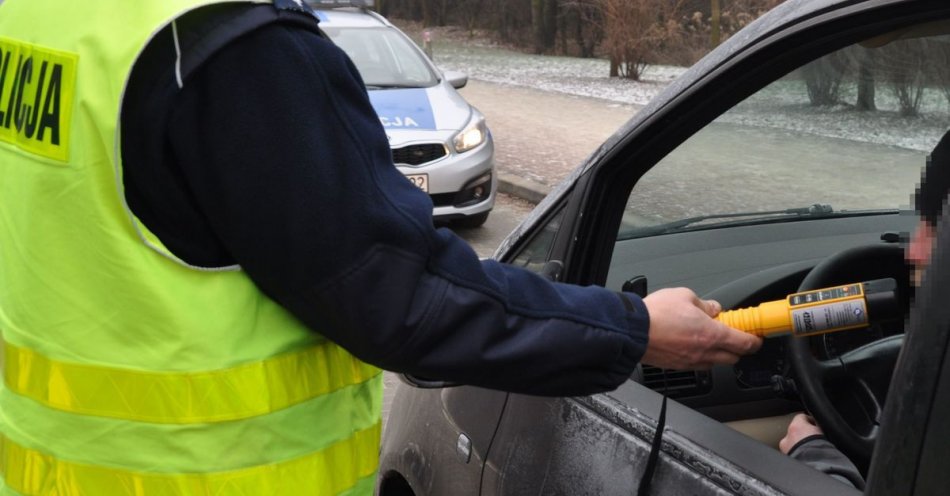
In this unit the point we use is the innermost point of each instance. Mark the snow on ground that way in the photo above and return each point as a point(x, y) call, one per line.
point(783, 105)
point(575, 76)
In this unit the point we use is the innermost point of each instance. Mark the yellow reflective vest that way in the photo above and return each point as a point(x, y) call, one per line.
point(126, 371)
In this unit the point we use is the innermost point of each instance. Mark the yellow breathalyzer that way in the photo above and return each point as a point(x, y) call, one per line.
point(840, 308)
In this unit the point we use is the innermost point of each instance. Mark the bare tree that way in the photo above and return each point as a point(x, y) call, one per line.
point(631, 33)
point(635, 30)
point(904, 67)
point(940, 50)
point(715, 21)
point(469, 12)
point(583, 18)
point(823, 79)
point(865, 78)
point(544, 14)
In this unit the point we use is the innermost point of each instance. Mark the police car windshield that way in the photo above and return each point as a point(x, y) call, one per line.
point(384, 57)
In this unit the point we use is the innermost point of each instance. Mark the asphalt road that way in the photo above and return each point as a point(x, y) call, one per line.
point(543, 135)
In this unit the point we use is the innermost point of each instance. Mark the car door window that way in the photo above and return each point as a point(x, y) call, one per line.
point(848, 132)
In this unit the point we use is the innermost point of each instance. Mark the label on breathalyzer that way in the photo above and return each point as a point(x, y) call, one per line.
point(840, 314)
point(825, 294)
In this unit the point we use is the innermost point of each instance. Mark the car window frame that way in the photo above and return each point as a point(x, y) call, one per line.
point(605, 187)
point(586, 238)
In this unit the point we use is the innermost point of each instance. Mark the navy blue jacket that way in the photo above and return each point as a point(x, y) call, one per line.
point(271, 157)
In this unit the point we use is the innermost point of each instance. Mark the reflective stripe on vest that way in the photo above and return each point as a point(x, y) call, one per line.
point(244, 391)
point(31, 472)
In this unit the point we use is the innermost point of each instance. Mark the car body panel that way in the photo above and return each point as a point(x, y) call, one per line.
point(437, 466)
point(600, 445)
point(411, 109)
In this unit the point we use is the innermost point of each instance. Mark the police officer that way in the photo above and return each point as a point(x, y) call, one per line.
point(204, 245)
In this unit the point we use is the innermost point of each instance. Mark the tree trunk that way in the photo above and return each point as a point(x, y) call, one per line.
point(550, 24)
point(503, 19)
point(442, 12)
point(426, 13)
point(865, 85)
point(562, 30)
point(716, 28)
point(537, 24)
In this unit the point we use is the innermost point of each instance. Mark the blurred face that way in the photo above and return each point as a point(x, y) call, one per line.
point(918, 251)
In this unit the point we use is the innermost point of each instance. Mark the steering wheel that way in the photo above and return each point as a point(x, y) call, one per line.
point(846, 394)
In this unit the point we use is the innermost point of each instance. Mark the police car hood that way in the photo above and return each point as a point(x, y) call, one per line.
point(420, 114)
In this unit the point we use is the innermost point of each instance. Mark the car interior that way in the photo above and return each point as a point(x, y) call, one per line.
point(806, 183)
point(802, 185)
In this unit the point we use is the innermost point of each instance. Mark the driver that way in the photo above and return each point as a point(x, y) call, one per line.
point(804, 439)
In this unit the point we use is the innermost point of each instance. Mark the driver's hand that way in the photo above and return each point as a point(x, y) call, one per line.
point(684, 335)
point(799, 428)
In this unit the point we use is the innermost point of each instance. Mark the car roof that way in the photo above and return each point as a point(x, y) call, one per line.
point(350, 17)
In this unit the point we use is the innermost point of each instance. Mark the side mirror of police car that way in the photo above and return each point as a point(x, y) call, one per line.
point(458, 80)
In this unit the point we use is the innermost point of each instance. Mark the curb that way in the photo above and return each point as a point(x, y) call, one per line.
point(522, 188)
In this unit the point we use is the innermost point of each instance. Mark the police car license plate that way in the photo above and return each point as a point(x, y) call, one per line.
point(421, 181)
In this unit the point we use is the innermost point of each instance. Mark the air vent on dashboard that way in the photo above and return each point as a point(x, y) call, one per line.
point(676, 383)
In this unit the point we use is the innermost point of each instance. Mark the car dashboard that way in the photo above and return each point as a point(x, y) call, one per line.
point(743, 266)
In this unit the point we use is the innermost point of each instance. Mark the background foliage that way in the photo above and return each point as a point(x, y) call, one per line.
point(631, 33)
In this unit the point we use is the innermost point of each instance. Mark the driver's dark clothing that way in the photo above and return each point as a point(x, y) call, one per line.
point(272, 158)
point(818, 453)
point(931, 196)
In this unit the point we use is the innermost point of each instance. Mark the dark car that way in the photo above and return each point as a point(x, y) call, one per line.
point(785, 160)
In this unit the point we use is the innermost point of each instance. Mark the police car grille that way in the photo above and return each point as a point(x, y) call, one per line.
point(419, 154)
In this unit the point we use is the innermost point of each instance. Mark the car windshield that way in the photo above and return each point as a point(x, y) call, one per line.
point(384, 57)
point(846, 134)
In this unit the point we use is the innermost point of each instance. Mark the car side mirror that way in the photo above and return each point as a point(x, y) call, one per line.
point(458, 80)
point(636, 285)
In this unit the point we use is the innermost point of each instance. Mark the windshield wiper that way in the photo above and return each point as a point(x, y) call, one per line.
point(816, 210)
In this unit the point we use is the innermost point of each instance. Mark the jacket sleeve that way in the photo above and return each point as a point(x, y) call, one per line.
point(818, 453)
point(288, 161)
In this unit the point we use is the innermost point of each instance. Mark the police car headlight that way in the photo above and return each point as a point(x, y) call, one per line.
point(474, 134)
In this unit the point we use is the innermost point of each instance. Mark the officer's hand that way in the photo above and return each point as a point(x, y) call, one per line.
point(683, 334)
point(800, 427)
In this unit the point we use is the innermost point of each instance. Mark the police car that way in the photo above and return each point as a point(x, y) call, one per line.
point(439, 141)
